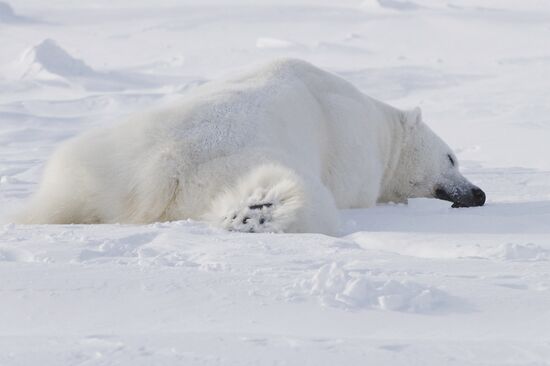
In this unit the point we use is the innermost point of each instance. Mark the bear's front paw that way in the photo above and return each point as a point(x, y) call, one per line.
point(255, 218)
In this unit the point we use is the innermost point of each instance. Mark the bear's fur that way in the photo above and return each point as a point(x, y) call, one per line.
point(277, 149)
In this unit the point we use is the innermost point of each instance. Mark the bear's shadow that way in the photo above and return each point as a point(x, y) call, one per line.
point(433, 216)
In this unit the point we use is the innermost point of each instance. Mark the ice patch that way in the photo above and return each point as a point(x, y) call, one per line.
point(337, 287)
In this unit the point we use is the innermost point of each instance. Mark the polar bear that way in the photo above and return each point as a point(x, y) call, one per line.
point(278, 149)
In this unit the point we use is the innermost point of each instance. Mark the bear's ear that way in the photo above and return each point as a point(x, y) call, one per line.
point(413, 117)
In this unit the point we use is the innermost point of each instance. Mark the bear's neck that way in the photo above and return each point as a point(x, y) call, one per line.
point(392, 187)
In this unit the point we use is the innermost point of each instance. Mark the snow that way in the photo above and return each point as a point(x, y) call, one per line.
point(48, 57)
point(8, 15)
point(418, 284)
point(337, 287)
point(265, 42)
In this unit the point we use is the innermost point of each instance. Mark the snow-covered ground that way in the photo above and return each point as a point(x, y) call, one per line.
point(421, 284)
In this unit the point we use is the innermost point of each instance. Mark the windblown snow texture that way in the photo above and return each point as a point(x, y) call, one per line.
point(418, 284)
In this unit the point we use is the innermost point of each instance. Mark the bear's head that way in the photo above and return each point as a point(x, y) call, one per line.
point(427, 167)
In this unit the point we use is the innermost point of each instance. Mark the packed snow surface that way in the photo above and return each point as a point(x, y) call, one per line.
point(421, 284)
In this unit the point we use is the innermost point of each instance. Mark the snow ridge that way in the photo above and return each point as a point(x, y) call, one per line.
point(48, 59)
point(8, 15)
point(49, 64)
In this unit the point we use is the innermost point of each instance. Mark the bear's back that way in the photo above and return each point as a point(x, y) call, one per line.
point(225, 117)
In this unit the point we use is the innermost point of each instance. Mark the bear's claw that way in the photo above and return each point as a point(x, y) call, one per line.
point(259, 206)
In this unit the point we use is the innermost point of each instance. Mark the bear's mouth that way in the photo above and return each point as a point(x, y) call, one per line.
point(472, 197)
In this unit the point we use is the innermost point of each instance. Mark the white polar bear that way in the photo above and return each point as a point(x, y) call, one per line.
point(277, 149)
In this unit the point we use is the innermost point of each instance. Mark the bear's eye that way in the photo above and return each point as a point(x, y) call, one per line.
point(451, 159)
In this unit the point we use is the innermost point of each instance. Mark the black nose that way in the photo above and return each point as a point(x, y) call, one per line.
point(479, 196)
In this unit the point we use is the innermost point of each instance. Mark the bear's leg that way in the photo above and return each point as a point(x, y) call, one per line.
point(61, 198)
point(273, 198)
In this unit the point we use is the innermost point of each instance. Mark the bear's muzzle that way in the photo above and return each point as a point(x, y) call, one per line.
point(472, 197)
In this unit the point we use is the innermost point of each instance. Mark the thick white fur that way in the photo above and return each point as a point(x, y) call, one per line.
point(278, 149)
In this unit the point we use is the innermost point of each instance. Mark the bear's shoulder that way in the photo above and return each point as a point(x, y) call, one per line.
point(287, 70)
